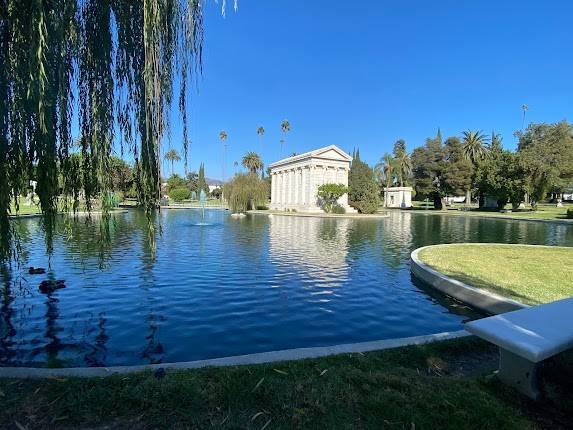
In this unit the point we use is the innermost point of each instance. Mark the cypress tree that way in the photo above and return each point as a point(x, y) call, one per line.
point(201, 182)
point(364, 194)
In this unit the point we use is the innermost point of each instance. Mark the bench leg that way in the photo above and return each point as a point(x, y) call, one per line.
point(518, 372)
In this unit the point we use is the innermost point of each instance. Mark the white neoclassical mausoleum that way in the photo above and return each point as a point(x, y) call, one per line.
point(295, 180)
point(398, 197)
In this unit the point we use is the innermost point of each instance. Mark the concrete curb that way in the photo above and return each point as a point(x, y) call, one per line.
point(475, 297)
point(70, 214)
point(258, 358)
point(218, 208)
point(492, 216)
point(319, 215)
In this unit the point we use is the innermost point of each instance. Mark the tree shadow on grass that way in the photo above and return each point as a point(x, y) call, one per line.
point(476, 282)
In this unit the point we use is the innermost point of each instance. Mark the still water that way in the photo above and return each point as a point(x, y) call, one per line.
point(230, 287)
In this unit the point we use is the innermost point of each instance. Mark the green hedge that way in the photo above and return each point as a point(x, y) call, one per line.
point(570, 213)
point(180, 194)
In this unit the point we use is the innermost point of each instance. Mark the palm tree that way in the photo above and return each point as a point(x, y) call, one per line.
point(285, 128)
point(252, 162)
point(223, 138)
point(173, 156)
point(261, 133)
point(525, 108)
point(474, 146)
point(402, 161)
point(403, 164)
point(236, 165)
point(475, 150)
point(386, 169)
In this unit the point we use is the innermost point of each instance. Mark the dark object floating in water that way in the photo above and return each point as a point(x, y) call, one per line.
point(49, 286)
point(159, 373)
point(36, 270)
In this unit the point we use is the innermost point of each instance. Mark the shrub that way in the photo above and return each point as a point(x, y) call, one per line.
point(337, 209)
point(369, 200)
point(175, 182)
point(330, 193)
point(180, 194)
point(570, 213)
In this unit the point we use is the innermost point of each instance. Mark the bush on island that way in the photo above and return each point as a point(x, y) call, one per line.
point(329, 194)
point(180, 194)
point(570, 213)
point(337, 209)
point(245, 191)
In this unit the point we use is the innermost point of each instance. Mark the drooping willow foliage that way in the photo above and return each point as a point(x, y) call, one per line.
point(110, 65)
point(246, 191)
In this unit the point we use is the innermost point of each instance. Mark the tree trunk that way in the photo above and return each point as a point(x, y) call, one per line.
point(438, 204)
point(468, 197)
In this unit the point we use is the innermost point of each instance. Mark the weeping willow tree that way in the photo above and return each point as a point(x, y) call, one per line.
point(110, 65)
point(245, 191)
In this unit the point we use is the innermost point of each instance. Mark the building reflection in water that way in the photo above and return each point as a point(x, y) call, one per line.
point(315, 248)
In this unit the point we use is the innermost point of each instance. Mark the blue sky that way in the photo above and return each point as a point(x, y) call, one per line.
point(363, 74)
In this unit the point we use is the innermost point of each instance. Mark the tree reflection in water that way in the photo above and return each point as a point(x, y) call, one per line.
point(232, 287)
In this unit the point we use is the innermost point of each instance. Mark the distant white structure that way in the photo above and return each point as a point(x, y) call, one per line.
point(295, 180)
point(398, 197)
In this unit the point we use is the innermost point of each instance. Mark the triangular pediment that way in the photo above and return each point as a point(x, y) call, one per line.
point(331, 152)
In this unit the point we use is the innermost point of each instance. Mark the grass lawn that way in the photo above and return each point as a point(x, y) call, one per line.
point(442, 385)
point(24, 209)
point(544, 211)
point(531, 275)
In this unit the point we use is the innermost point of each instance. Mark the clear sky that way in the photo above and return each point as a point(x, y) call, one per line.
point(365, 73)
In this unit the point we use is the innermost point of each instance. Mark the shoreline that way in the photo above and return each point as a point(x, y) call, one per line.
point(286, 355)
point(319, 215)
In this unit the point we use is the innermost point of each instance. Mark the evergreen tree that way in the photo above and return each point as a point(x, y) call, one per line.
point(201, 182)
point(458, 170)
point(427, 167)
point(364, 193)
point(502, 176)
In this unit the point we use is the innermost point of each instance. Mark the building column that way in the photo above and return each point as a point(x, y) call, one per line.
point(294, 186)
point(303, 194)
point(290, 186)
point(273, 191)
point(311, 186)
point(282, 188)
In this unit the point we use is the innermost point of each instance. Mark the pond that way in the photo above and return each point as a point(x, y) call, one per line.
point(230, 287)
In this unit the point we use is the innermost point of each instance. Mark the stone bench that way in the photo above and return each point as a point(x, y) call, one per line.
point(525, 338)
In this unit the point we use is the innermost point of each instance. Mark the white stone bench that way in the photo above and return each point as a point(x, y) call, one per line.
point(525, 338)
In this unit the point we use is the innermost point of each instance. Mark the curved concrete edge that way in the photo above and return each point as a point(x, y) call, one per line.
point(475, 297)
point(319, 215)
point(258, 358)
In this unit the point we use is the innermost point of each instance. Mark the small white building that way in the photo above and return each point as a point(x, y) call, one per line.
point(398, 197)
point(295, 180)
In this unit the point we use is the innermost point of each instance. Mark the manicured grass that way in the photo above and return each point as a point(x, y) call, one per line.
point(442, 385)
point(24, 209)
point(531, 275)
point(544, 211)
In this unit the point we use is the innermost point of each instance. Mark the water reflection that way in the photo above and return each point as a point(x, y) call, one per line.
point(231, 287)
